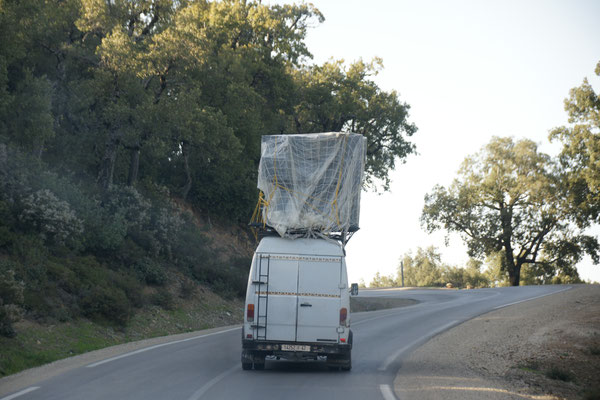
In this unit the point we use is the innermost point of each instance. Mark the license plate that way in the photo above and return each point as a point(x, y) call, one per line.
point(294, 347)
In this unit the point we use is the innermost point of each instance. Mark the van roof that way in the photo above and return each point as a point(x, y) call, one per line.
point(322, 247)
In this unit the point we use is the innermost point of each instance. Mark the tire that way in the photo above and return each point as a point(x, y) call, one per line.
point(259, 366)
point(246, 366)
point(347, 366)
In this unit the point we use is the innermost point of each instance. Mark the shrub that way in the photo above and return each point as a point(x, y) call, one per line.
point(187, 290)
point(164, 299)
point(167, 226)
point(559, 374)
point(106, 303)
point(229, 278)
point(150, 271)
point(11, 299)
point(52, 218)
point(127, 202)
point(104, 233)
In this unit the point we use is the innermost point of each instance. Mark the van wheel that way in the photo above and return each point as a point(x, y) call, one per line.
point(246, 366)
point(259, 366)
point(347, 365)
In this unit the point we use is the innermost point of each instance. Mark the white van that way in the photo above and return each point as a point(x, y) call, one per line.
point(297, 303)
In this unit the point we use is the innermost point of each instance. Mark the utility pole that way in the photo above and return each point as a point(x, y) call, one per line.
point(402, 271)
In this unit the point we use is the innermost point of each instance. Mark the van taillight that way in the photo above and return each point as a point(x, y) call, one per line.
point(250, 313)
point(343, 316)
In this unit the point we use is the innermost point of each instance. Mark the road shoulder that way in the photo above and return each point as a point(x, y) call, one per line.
point(545, 348)
point(32, 376)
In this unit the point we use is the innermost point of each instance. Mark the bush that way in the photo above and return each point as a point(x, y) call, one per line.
point(150, 271)
point(187, 290)
point(11, 298)
point(108, 304)
point(51, 218)
point(229, 279)
point(556, 373)
point(164, 299)
point(167, 226)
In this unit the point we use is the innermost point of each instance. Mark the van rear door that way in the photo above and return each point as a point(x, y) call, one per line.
point(319, 298)
point(281, 304)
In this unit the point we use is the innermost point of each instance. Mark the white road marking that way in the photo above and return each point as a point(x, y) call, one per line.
point(397, 354)
point(21, 393)
point(156, 347)
point(386, 392)
point(533, 298)
point(200, 392)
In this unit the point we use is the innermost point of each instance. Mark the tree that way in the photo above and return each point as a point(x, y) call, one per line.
point(509, 198)
point(423, 269)
point(380, 281)
point(177, 93)
point(335, 97)
point(580, 156)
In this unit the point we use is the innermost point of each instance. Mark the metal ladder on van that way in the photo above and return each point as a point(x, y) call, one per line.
point(262, 292)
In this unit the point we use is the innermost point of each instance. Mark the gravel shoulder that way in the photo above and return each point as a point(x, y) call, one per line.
point(548, 348)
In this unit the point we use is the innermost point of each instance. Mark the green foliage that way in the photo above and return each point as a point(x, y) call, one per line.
point(465, 277)
point(11, 298)
point(510, 198)
point(228, 278)
point(179, 93)
point(424, 268)
point(150, 272)
point(380, 281)
point(106, 303)
point(52, 218)
point(111, 113)
point(581, 151)
point(336, 98)
point(164, 299)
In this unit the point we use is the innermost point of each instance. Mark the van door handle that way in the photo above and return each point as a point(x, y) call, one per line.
point(305, 305)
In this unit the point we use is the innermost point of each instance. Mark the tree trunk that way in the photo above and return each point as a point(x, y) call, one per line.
point(107, 165)
point(514, 275)
point(134, 165)
point(513, 269)
point(188, 173)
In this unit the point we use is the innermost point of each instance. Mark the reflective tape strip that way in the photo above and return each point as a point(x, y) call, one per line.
point(297, 294)
point(306, 258)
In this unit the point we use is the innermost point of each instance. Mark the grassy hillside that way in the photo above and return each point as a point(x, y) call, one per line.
point(75, 260)
point(37, 343)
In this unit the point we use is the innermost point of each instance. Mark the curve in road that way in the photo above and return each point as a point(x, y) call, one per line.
point(208, 366)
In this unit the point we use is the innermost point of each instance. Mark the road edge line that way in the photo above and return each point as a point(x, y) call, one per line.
point(387, 392)
point(156, 346)
point(206, 387)
point(21, 393)
point(388, 361)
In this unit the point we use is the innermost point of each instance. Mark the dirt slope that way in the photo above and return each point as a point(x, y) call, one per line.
point(547, 348)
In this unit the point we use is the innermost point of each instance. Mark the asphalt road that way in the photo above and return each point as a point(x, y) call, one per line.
point(208, 367)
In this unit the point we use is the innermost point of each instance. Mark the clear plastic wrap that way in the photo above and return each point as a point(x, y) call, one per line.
point(312, 182)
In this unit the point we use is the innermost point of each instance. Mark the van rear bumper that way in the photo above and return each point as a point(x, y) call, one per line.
point(262, 348)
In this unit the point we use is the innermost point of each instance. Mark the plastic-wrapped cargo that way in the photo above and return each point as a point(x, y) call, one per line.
point(312, 182)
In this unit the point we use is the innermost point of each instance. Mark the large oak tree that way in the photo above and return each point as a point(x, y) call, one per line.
point(509, 200)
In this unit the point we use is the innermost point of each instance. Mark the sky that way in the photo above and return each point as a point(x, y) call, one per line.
point(469, 70)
